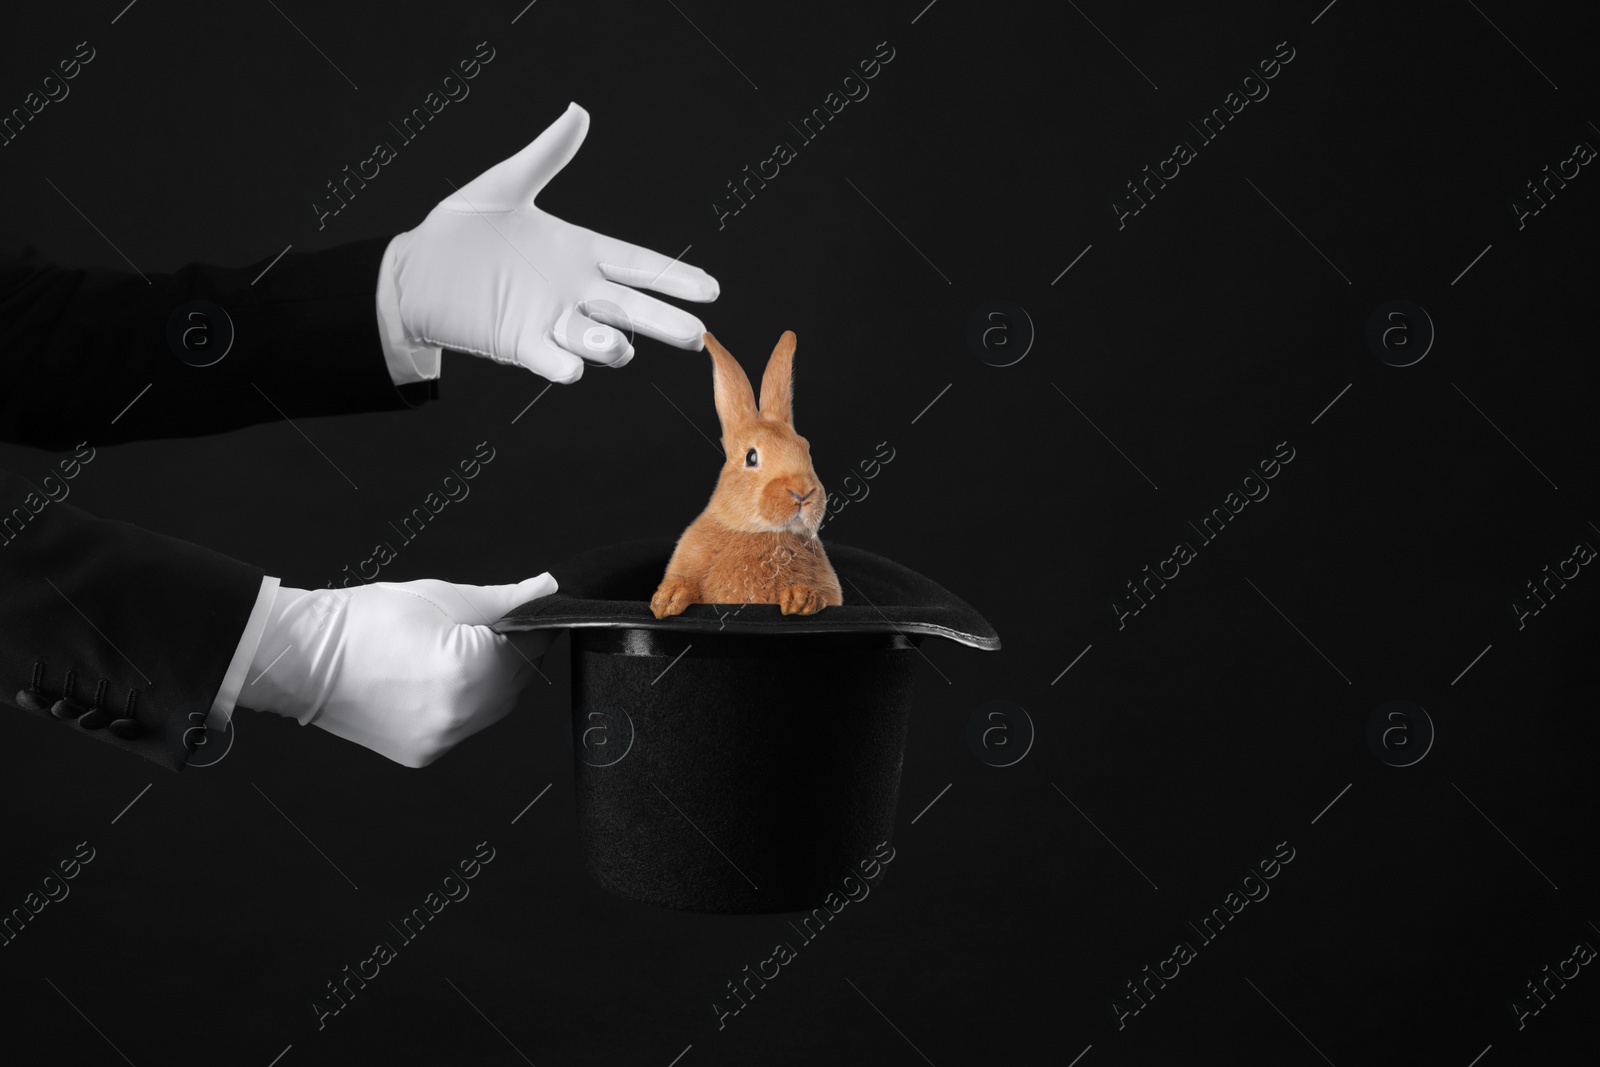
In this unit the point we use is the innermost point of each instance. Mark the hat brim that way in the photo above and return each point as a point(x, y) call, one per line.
point(611, 587)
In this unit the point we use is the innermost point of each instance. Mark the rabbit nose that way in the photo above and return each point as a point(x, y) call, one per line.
point(802, 499)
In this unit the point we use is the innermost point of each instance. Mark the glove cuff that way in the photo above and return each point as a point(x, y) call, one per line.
point(290, 673)
point(408, 360)
point(239, 669)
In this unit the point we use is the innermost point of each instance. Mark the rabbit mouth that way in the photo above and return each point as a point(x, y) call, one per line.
point(805, 519)
point(796, 522)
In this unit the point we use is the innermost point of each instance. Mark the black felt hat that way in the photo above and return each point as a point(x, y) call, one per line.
point(732, 758)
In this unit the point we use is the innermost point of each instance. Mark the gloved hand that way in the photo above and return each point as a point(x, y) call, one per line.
point(406, 669)
point(489, 273)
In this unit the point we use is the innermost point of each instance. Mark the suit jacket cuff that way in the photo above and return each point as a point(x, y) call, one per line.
point(120, 618)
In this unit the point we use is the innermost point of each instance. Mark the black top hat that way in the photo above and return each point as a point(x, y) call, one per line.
point(732, 758)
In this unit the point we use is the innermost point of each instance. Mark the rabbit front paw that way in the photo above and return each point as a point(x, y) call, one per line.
point(673, 595)
point(801, 600)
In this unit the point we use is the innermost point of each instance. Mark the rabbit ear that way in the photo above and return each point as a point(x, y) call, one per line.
point(735, 400)
point(777, 381)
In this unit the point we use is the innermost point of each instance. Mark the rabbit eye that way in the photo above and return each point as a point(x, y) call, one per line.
point(751, 459)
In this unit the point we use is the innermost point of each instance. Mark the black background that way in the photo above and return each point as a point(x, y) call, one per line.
point(1215, 725)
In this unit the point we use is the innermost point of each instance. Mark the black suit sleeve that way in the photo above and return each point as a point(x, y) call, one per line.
point(116, 631)
point(78, 346)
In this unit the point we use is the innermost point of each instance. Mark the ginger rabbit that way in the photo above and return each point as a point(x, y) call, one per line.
point(756, 541)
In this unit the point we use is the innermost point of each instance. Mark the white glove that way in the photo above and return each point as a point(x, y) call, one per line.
point(406, 669)
point(489, 273)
